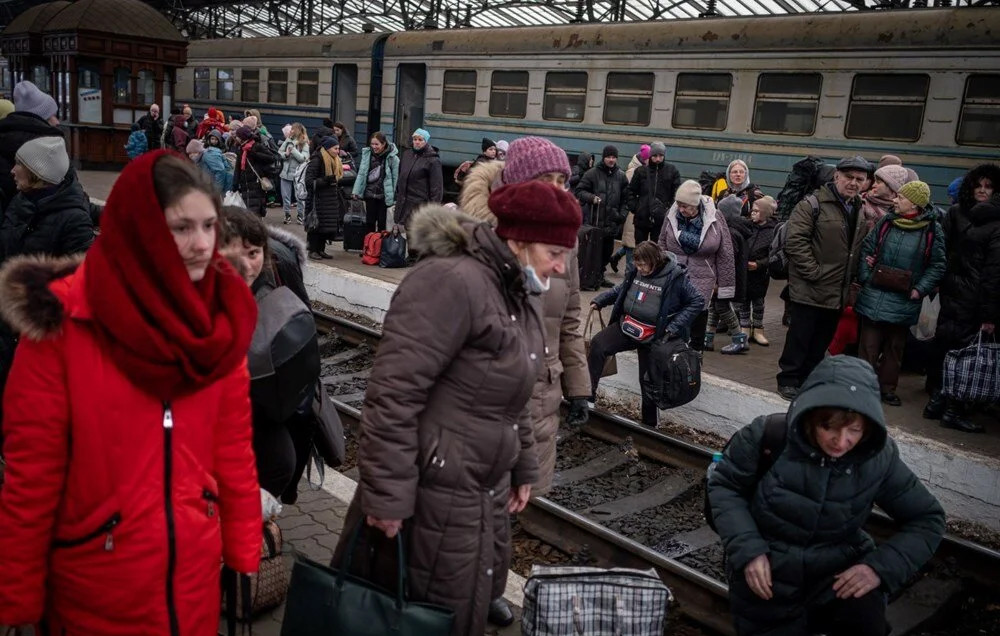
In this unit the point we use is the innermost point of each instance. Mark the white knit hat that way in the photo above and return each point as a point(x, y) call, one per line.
point(689, 193)
point(46, 157)
point(29, 98)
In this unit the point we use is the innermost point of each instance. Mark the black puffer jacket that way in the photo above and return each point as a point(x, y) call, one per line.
point(653, 180)
point(758, 250)
point(420, 181)
point(54, 221)
point(956, 222)
point(245, 181)
point(807, 512)
point(970, 289)
point(583, 161)
point(15, 129)
point(611, 186)
point(326, 195)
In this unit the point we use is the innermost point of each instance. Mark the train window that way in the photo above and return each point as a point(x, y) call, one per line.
point(628, 99)
point(702, 100)
point(980, 124)
point(122, 82)
point(277, 86)
point(307, 87)
point(787, 103)
point(887, 106)
point(88, 77)
point(146, 87)
point(250, 85)
point(225, 84)
point(459, 96)
point(565, 96)
point(201, 80)
point(509, 94)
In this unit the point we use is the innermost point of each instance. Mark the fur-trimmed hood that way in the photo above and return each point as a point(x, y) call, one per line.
point(292, 242)
point(28, 302)
point(440, 231)
point(474, 199)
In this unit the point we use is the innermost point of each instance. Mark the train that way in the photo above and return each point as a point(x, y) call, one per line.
point(923, 84)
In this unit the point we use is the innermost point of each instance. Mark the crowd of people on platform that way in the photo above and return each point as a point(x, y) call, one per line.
point(130, 411)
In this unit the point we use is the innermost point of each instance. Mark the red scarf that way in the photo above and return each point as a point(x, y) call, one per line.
point(170, 336)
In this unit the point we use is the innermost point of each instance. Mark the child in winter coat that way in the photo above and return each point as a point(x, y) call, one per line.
point(758, 248)
point(137, 143)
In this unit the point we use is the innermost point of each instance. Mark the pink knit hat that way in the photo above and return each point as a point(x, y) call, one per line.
point(644, 153)
point(530, 157)
point(894, 176)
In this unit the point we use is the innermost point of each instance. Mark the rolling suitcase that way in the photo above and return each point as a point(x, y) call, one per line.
point(355, 226)
point(591, 242)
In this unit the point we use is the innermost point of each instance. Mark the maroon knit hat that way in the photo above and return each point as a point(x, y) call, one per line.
point(530, 157)
point(536, 212)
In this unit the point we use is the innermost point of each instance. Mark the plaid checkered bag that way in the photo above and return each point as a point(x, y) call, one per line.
point(972, 374)
point(572, 601)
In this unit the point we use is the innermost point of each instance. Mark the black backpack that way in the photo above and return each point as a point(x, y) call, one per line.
point(777, 260)
point(806, 175)
point(707, 180)
point(673, 376)
point(271, 168)
point(771, 445)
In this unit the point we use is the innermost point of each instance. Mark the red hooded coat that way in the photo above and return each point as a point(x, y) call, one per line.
point(120, 504)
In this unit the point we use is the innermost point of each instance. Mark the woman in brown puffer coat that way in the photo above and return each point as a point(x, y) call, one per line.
point(447, 449)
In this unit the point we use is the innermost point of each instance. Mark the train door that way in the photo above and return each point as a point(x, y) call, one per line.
point(410, 83)
point(375, 87)
point(344, 97)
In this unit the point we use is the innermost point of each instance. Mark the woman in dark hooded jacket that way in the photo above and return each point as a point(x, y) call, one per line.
point(253, 159)
point(797, 558)
point(584, 162)
point(967, 290)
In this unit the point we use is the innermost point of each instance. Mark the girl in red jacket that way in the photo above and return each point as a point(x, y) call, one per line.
point(130, 475)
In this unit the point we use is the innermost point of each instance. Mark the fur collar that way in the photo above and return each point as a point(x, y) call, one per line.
point(474, 199)
point(440, 231)
point(289, 240)
point(26, 301)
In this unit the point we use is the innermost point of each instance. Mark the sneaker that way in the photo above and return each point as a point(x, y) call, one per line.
point(788, 392)
point(287, 220)
point(298, 220)
point(315, 256)
point(606, 283)
point(891, 399)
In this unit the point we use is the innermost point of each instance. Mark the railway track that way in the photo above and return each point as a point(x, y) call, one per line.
point(627, 479)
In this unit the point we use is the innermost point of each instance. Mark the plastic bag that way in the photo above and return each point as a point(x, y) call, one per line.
point(270, 508)
point(234, 198)
point(927, 323)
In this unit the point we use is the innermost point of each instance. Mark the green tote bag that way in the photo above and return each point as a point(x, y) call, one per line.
point(323, 601)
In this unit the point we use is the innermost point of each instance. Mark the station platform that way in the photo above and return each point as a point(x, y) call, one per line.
point(962, 469)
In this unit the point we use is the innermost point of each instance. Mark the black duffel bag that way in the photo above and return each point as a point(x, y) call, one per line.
point(673, 376)
point(284, 354)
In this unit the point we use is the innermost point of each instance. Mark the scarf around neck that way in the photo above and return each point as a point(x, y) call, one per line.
point(331, 164)
point(168, 335)
point(690, 232)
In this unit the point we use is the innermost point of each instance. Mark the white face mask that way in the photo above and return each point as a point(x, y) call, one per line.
point(533, 282)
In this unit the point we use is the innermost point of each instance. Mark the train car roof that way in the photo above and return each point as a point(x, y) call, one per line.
point(334, 46)
point(864, 31)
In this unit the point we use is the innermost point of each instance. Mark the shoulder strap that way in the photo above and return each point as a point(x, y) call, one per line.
point(814, 204)
point(772, 443)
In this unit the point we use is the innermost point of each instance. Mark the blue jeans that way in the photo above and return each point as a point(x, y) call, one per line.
point(287, 194)
point(627, 253)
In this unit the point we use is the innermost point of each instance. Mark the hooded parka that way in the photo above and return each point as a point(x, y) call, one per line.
point(253, 159)
point(565, 371)
point(808, 511)
point(446, 429)
point(583, 161)
point(54, 220)
point(822, 252)
point(420, 181)
point(904, 246)
point(712, 266)
point(657, 181)
point(611, 186)
point(130, 475)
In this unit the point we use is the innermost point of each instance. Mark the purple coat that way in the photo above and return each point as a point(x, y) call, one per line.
point(713, 264)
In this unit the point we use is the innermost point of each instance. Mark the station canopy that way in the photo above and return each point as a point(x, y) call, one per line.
point(214, 18)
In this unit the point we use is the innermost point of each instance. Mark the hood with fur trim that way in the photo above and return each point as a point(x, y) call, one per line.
point(289, 240)
point(967, 191)
point(29, 300)
point(474, 198)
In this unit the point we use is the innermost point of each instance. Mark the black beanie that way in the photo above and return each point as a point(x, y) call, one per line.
point(488, 143)
point(610, 151)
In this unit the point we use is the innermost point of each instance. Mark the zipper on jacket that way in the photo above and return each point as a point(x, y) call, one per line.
point(168, 469)
point(210, 501)
point(106, 528)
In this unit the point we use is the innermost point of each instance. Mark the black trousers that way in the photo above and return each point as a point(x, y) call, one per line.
point(375, 215)
point(882, 345)
point(648, 233)
point(608, 342)
point(607, 249)
point(808, 338)
point(863, 616)
point(698, 328)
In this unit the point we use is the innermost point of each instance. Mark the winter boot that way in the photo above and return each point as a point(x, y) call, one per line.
point(709, 341)
point(615, 260)
point(757, 335)
point(935, 406)
point(738, 346)
point(954, 417)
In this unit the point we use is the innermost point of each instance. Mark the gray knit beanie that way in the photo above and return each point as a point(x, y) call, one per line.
point(28, 98)
point(657, 148)
point(46, 157)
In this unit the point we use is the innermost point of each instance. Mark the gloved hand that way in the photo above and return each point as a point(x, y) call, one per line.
point(578, 412)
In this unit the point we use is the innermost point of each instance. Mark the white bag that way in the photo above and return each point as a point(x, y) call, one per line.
point(927, 323)
point(234, 199)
